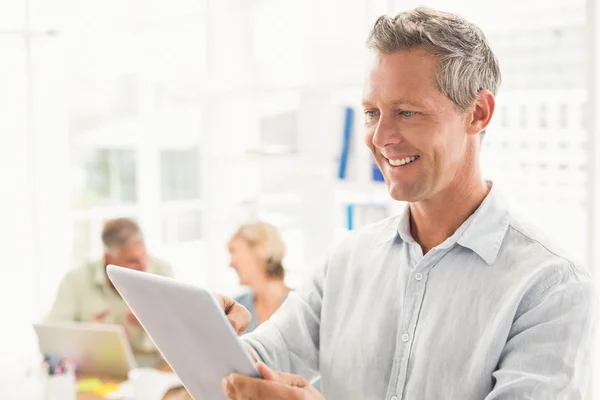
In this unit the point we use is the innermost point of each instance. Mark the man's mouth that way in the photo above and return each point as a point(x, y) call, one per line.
point(402, 161)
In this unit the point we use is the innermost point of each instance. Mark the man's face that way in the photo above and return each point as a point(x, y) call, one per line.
point(407, 118)
point(132, 256)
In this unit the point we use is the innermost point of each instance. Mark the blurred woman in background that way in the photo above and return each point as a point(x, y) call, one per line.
point(257, 250)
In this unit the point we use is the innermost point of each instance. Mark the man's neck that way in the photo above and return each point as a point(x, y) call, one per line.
point(434, 220)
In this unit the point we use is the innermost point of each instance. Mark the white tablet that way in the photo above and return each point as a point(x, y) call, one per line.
point(189, 328)
point(96, 348)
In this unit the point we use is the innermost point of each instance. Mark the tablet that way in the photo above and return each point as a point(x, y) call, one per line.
point(100, 349)
point(189, 328)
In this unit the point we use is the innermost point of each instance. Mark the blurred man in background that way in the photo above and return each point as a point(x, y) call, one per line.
point(86, 295)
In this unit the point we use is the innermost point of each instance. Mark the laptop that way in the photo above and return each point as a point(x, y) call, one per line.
point(96, 349)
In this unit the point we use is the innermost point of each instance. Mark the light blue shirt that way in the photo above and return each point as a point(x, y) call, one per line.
point(494, 312)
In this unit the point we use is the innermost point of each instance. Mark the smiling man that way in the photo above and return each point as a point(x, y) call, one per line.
point(457, 298)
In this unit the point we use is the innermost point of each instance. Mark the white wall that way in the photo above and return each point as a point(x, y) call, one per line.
point(17, 245)
point(593, 151)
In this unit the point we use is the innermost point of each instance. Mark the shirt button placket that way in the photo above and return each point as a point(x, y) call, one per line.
point(407, 337)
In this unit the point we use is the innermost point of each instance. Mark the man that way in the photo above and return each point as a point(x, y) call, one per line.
point(457, 298)
point(86, 295)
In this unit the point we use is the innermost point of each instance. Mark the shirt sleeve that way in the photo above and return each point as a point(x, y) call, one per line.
point(64, 307)
point(547, 354)
point(289, 340)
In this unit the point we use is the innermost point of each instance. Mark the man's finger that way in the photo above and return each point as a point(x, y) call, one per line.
point(288, 379)
point(234, 324)
point(237, 314)
point(241, 387)
point(105, 312)
point(102, 315)
point(241, 317)
point(226, 303)
point(266, 372)
point(131, 318)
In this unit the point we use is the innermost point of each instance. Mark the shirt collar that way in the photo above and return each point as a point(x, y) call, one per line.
point(404, 225)
point(99, 274)
point(487, 227)
point(483, 232)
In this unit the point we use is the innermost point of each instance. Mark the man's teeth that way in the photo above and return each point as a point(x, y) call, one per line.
point(403, 161)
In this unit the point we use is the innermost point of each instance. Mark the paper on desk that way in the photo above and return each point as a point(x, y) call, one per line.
point(168, 381)
point(88, 385)
point(105, 389)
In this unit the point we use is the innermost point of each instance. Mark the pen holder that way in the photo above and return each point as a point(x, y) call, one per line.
point(60, 387)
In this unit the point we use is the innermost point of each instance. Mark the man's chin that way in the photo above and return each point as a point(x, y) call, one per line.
point(399, 192)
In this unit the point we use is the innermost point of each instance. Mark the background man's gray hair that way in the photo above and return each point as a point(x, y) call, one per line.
point(119, 232)
point(467, 63)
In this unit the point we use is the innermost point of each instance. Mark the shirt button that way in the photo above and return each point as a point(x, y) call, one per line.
point(405, 338)
point(394, 398)
point(418, 276)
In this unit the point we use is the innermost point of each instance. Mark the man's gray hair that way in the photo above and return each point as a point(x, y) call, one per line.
point(119, 232)
point(466, 61)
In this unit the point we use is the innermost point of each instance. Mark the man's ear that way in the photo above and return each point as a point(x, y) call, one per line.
point(482, 112)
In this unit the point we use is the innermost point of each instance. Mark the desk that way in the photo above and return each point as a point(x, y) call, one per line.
point(173, 394)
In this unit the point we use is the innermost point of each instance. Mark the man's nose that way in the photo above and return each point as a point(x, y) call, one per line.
point(386, 132)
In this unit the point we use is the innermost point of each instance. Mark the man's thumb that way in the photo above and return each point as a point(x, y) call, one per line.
point(102, 314)
point(288, 379)
point(266, 372)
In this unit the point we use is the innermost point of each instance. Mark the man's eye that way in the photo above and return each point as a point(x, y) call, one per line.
point(371, 114)
point(407, 114)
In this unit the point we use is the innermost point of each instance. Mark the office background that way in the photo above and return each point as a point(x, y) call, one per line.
point(193, 116)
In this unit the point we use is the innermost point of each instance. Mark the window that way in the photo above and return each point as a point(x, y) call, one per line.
point(134, 76)
point(110, 178)
point(180, 174)
point(15, 164)
point(182, 226)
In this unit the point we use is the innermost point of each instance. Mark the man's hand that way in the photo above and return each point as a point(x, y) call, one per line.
point(273, 386)
point(102, 315)
point(100, 318)
point(237, 314)
point(131, 318)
